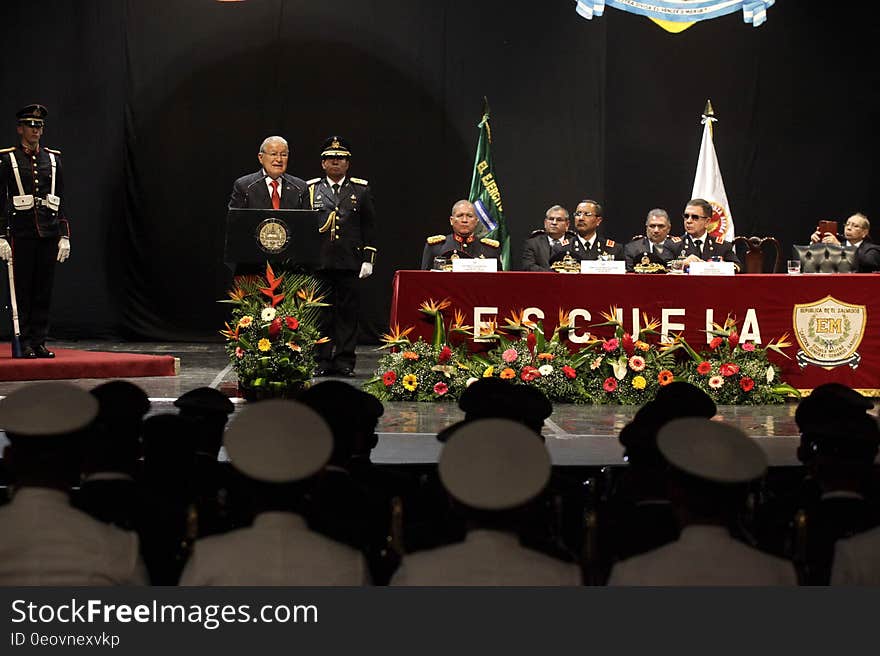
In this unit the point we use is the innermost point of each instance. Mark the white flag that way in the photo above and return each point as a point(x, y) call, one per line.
point(709, 185)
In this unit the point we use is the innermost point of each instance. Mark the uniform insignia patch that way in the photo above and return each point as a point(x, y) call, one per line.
point(359, 181)
point(675, 239)
point(719, 240)
point(313, 181)
point(52, 150)
point(609, 243)
point(436, 239)
point(7, 150)
point(494, 243)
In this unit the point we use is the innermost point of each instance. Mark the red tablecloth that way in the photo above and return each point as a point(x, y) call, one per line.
point(833, 319)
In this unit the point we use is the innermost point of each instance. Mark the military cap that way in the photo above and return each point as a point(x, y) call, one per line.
point(32, 115)
point(711, 450)
point(342, 405)
point(335, 146)
point(120, 398)
point(493, 397)
point(494, 464)
point(45, 409)
point(828, 406)
point(677, 399)
point(278, 441)
point(205, 401)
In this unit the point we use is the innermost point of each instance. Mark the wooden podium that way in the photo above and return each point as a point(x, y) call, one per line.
point(287, 239)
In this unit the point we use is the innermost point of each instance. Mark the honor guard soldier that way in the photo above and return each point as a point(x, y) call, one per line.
point(346, 222)
point(698, 243)
point(33, 225)
point(462, 242)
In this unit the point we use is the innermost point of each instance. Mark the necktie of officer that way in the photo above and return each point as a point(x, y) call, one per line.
point(556, 243)
point(276, 197)
point(335, 189)
point(699, 244)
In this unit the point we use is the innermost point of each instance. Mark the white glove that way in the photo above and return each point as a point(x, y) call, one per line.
point(366, 270)
point(63, 249)
point(5, 249)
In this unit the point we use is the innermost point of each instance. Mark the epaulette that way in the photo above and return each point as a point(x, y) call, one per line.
point(436, 239)
point(494, 243)
point(313, 181)
point(359, 181)
point(52, 150)
point(719, 240)
point(539, 231)
point(609, 243)
point(675, 239)
point(7, 150)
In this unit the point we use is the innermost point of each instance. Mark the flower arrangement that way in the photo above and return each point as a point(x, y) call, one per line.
point(624, 369)
point(271, 337)
point(736, 372)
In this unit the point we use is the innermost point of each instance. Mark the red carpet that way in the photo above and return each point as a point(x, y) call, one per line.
point(70, 363)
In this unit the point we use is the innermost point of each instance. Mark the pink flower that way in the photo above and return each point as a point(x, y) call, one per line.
point(569, 372)
point(748, 346)
point(637, 363)
point(509, 355)
point(704, 368)
point(440, 389)
point(445, 354)
point(611, 344)
point(728, 369)
point(715, 343)
point(747, 384)
point(239, 352)
point(610, 384)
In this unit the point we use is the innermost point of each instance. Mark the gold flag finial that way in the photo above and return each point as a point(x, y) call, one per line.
point(709, 111)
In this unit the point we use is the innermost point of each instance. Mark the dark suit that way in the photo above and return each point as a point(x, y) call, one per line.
point(252, 191)
point(347, 223)
point(668, 250)
point(471, 247)
point(538, 254)
point(601, 246)
point(711, 247)
point(867, 256)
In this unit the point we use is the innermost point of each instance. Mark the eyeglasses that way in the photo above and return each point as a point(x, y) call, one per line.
point(281, 155)
point(695, 217)
point(585, 214)
point(850, 224)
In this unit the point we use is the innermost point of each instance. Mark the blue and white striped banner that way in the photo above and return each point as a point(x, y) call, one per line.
point(681, 11)
point(485, 217)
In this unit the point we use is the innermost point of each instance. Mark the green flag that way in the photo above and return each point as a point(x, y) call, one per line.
point(485, 193)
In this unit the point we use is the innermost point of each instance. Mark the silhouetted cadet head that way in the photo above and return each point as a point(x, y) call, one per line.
point(835, 424)
point(352, 415)
point(169, 448)
point(113, 444)
point(206, 411)
point(45, 424)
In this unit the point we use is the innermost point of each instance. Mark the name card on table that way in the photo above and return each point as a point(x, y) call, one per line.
point(475, 264)
point(603, 266)
point(711, 269)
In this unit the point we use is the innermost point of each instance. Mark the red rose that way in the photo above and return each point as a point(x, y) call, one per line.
point(275, 327)
point(728, 369)
point(715, 343)
point(445, 354)
point(292, 323)
point(733, 340)
point(610, 384)
point(704, 368)
point(389, 378)
point(747, 384)
point(569, 372)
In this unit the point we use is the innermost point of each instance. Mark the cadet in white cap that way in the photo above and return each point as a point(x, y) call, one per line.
point(493, 468)
point(857, 560)
point(711, 464)
point(44, 540)
point(278, 446)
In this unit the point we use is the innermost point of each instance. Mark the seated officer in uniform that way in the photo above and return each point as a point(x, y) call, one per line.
point(656, 241)
point(855, 234)
point(589, 245)
point(462, 242)
point(699, 245)
point(550, 244)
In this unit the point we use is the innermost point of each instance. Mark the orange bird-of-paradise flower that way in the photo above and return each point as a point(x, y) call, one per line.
point(323, 340)
point(229, 333)
point(309, 296)
point(458, 324)
point(237, 294)
point(564, 319)
point(488, 328)
point(395, 336)
point(516, 322)
point(611, 315)
point(650, 323)
point(432, 307)
point(780, 344)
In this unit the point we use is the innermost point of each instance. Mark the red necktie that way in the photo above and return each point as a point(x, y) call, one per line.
point(276, 197)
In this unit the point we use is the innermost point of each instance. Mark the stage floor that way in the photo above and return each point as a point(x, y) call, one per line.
point(576, 435)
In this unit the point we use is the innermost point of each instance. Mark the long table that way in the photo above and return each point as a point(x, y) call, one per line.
point(833, 320)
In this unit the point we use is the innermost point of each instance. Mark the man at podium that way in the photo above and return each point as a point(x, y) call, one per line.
point(270, 187)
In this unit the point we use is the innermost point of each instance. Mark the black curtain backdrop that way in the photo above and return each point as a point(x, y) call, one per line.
point(158, 107)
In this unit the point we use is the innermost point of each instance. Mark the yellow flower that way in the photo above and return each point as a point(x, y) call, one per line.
point(410, 382)
point(245, 321)
point(264, 344)
point(639, 382)
point(489, 372)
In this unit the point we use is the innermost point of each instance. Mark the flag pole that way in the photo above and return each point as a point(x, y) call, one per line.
point(709, 113)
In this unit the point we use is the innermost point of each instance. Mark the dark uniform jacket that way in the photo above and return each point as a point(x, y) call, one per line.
point(668, 250)
point(252, 191)
point(601, 246)
point(711, 247)
point(446, 246)
point(538, 254)
point(346, 221)
point(35, 171)
point(867, 257)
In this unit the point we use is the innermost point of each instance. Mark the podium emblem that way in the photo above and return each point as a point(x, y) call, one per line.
point(272, 236)
point(829, 332)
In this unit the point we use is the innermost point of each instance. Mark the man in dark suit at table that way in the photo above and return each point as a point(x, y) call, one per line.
point(271, 187)
point(544, 246)
point(656, 241)
point(855, 234)
point(589, 244)
point(699, 245)
point(462, 242)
